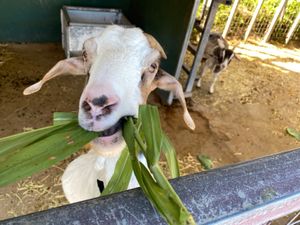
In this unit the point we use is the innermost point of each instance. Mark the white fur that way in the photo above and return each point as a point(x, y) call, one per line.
point(79, 180)
point(121, 58)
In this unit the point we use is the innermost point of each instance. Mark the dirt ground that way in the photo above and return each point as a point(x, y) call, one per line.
point(255, 100)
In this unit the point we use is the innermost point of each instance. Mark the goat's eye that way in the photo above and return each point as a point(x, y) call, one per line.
point(153, 67)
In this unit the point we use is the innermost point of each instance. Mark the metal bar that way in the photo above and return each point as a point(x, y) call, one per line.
point(192, 49)
point(201, 47)
point(273, 22)
point(202, 13)
point(292, 29)
point(252, 192)
point(249, 28)
point(230, 18)
point(186, 69)
point(186, 42)
point(184, 47)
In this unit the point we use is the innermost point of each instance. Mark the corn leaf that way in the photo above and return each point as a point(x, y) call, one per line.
point(24, 154)
point(149, 117)
point(121, 176)
point(293, 133)
point(205, 161)
point(155, 185)
point(170, 155)
point(64, 117)
point(18, 141)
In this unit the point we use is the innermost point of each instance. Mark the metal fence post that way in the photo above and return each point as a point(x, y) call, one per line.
point(275, 18)
point(230, 18)
point(249, 28)
point(292, 29)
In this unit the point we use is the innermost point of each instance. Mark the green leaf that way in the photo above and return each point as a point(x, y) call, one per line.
point(149, 117)
point(41, 153)
point(122, 174)
point(170, 154)
point(205, 161)
point(18, 141)
point(294, 133)
point(155, 185)
point(64, 117)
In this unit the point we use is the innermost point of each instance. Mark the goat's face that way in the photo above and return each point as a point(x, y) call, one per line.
point(122, 66)
point(223, 58)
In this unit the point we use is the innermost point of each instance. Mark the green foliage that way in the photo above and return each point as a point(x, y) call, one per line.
point(27, 153)
point(245, 11)
point(24, 154)
point(294, 133)
point(205, 161)
point(145, 135)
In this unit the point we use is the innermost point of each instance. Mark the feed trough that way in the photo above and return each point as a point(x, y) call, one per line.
point(81, 23)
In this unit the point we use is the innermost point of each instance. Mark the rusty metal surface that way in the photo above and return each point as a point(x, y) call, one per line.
point(253, 192)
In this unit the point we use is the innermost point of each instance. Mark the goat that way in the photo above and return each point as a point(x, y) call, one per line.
point(217, 57)
point(122, 68)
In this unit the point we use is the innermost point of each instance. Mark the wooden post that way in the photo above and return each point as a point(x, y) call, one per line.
point(249, 28)
point(231, 15)
point(273, 22)
point(292, 29)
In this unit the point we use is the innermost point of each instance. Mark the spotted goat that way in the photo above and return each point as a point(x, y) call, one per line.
point(217, 56)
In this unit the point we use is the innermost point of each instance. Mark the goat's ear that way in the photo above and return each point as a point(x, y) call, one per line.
point(167, 82)
point(71, 66)
point(89, 52)
point(154, 44)
point(221, 43)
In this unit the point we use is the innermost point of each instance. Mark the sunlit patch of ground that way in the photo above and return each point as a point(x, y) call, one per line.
point(278, 57)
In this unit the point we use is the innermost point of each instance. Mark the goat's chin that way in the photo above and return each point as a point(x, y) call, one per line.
point(109, 145)
point(106, 141)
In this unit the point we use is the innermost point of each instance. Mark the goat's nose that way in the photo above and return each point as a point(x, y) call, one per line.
point(99, 106)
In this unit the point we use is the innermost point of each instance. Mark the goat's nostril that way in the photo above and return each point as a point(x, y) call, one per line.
point(101, 101)
point(107, 110)
point(86, 106)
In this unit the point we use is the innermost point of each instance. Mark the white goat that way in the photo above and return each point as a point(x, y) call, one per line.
point(217, 57)
point(122, 66)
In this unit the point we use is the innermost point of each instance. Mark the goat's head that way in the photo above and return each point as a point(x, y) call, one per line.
point(223, 56)
point(122, 66)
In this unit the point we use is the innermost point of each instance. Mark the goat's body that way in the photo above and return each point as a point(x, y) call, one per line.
point(216, 57)
point(80, 178)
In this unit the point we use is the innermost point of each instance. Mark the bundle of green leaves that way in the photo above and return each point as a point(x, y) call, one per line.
point(24, 154)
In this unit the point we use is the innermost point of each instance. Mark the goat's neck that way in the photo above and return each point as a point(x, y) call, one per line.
point(108, 151)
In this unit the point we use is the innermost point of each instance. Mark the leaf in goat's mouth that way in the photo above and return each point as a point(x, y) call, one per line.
point(112, 130)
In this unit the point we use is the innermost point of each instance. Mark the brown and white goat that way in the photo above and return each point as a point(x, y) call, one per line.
point(217, 57)
point(122, 66)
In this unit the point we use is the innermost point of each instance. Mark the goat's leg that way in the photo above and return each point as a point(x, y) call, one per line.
point(202, 70)
point(215, 78)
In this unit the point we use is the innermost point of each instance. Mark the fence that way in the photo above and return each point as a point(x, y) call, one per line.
point(246, 10)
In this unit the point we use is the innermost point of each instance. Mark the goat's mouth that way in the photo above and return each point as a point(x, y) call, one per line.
point(112, 130)
point(112, 135)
